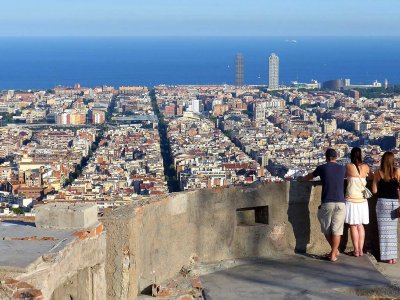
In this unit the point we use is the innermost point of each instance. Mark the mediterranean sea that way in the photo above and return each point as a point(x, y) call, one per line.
point(44, 62)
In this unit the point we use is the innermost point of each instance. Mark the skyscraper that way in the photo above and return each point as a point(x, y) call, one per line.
point(273, 72)
point(197, 106)
point(239, 70)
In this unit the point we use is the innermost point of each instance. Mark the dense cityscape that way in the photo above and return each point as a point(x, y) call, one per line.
point(113, 146)
point(199, 150)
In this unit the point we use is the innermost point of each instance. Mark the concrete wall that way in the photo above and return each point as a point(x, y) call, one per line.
point(121, 257)
point(150, 242)
point(77, 272)
point(58, 273)
point(71, 266)
point(86, 284)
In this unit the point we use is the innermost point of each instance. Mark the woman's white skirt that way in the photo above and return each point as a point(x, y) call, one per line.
point(357, 213)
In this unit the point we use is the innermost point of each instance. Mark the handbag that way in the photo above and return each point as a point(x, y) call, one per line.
point(366, 192)
point(397, 210)
point(397, 213)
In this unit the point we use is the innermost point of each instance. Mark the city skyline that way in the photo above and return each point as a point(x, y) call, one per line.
point(160, 149)
point(177, 18)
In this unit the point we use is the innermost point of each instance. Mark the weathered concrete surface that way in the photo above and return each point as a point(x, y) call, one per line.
point(40, 263)
point(150, 242)
point(390, 271)
point(294, 277)
point(19, 255)
point(53, 269)
point(66, 215)
point(86, 284)
point(121, 256)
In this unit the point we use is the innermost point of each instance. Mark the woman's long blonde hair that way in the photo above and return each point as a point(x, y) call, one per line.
point(388, 170)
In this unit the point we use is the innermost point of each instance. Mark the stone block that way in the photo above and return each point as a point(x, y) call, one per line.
point(66, 216)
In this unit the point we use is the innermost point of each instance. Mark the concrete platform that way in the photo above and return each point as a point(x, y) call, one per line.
point(23, 245)
point(391, 272)
point(296, 277)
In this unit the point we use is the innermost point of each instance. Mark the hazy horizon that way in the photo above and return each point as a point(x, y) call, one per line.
point(201, 36)
point(200, 18)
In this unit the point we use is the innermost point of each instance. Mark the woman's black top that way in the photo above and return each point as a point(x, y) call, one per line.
point(388, 189)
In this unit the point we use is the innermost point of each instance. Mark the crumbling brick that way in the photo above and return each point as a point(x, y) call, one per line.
point(23, 285)
point(196, 283)
point(92, 232)
point(89, 233)
point(9, 281)
point(36, 293)
point(81, 234)
point(10, 284)
point(164, 293)
point(99, 229)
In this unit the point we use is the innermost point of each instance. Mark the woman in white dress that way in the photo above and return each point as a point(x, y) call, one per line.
point(357, 213)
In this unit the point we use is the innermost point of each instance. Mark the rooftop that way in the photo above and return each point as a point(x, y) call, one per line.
point(23, 245)
point(35, 261)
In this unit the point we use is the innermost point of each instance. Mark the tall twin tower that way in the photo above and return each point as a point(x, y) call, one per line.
point(273, 71)
point(239, 70)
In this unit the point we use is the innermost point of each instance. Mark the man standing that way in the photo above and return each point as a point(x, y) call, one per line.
point(332, 211)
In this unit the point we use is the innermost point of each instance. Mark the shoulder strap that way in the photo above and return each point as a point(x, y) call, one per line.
point(358, 171)
point(359, 174)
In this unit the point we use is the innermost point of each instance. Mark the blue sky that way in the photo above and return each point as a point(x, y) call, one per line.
point(199, 17)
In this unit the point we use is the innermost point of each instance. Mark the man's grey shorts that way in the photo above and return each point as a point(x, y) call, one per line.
point(331, 215)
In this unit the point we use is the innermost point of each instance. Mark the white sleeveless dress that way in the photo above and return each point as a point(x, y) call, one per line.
point(357, 211)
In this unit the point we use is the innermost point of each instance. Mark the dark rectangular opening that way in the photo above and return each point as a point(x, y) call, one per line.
point(250, 216)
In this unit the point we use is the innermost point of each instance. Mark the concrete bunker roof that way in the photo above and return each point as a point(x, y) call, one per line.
point(23, 245)
point(58, 226)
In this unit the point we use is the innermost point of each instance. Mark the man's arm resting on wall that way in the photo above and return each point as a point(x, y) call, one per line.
point(307, 177)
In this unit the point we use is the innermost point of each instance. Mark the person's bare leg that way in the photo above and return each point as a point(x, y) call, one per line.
point(329, 239)
point(361, 238)
point(335, 246)
point(355, 239)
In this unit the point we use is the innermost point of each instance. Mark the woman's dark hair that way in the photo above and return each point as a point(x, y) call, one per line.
point(356, 156)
